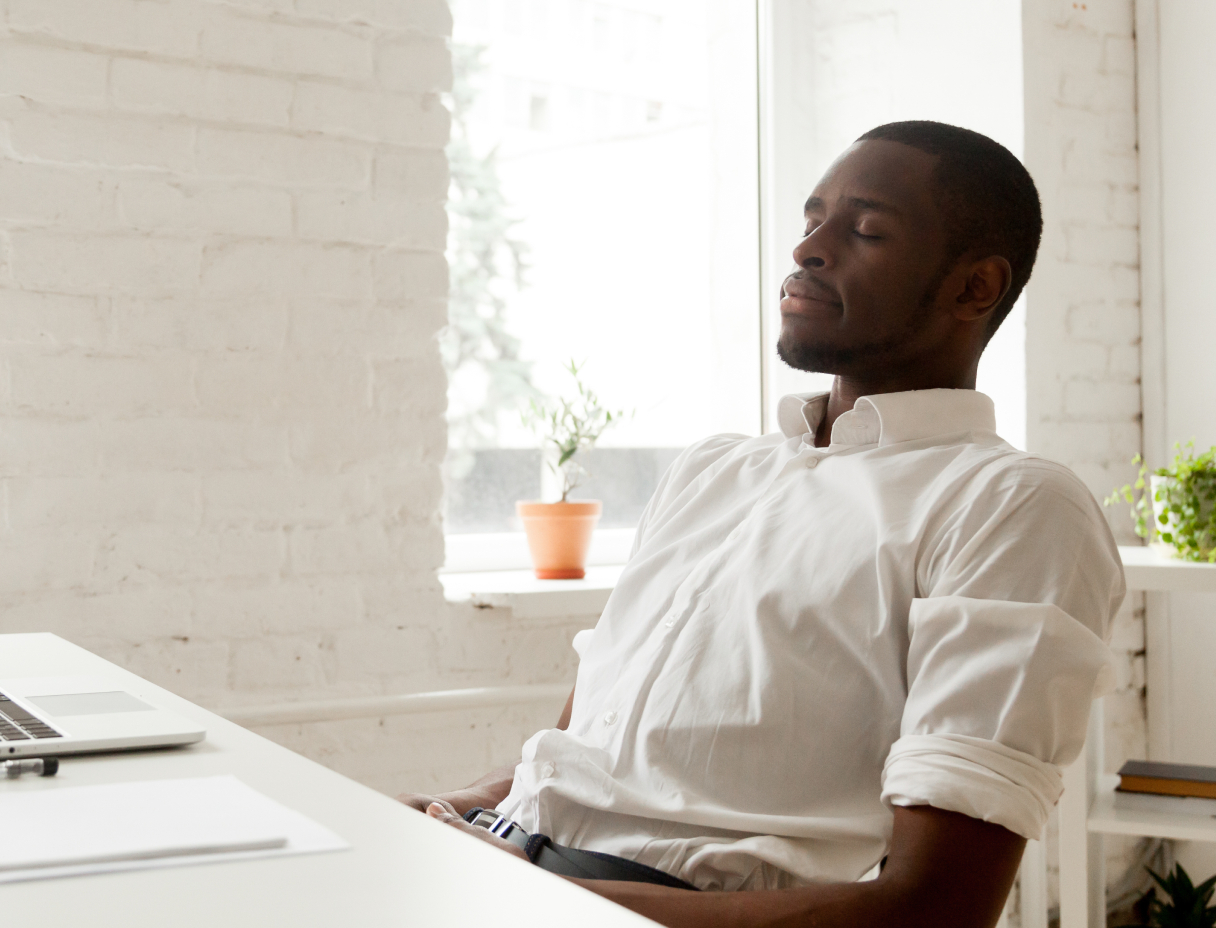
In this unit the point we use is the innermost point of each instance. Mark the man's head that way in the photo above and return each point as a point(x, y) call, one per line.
point(918, 241)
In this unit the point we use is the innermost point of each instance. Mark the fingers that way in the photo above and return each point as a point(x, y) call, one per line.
point(443, 812)
point(415, 800)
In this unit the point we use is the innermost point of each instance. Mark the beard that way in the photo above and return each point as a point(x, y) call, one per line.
point(821, 358)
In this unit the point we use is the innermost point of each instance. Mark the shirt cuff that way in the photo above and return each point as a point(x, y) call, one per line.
point(978, 778)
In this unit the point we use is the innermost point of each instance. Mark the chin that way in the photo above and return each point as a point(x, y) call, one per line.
point(811, 356)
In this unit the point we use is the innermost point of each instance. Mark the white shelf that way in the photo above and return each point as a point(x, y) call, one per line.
point(1148, 569)
point(529, 598)
point(1183, 825)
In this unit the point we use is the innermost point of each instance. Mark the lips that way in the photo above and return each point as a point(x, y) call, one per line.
point(805, 288)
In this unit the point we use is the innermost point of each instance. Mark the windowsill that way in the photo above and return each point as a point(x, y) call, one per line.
point(529, 598)
point(508, 551)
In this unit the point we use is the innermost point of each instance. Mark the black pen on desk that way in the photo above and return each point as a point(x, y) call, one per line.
point(43, 766)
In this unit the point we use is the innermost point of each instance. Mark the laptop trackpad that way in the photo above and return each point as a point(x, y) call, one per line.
point(89, 704)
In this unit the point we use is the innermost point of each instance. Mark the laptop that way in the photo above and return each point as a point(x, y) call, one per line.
point(40, 716)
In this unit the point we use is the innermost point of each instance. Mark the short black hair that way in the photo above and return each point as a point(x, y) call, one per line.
point(989, 201)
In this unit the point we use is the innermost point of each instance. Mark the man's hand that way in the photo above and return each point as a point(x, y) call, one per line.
point(445, 813)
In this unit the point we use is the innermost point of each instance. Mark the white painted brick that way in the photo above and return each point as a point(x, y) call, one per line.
point(282, 159)
point(348, 216)
point(1103, 245)
point(181, 665)
point(1081, 202)
point(79, 386)
point(405, 384)
point(1101, 398)
point(47, 560)
point(179, 443)
point(65, 197)
point(252, 267)
point(286, 499)
point(53, 75)
point(176, 205)
point(47, 502)
point(104, 264)
point(146, 554)
point(200, 93)
point(392, 330)
point(198, 325)
point(282, 663)
point(232, 38)
point(1125, 360)
point(368, 113)
point(287, 607)
point(119, 616)
point(358, 438)
point(112, 141)
point(1112, 323)
point(431, 17)
point(52, 320)
point(257, 384)
point(362, 652)
point(169, 28)
point(419, 174)
point(1119, 54)
point(401, 275)
point(48, 447)
point(357, 547)
point(415, 64)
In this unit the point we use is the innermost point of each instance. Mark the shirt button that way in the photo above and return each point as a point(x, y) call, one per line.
point(670, 623)
point(548, 770)
point(811, 462)
point(609, 717)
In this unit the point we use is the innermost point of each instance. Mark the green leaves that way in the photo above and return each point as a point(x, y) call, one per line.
point(1186, 905)
point(1179, 506)
point(571, 425)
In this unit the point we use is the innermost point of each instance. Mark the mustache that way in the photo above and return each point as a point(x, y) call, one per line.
point(824, 289)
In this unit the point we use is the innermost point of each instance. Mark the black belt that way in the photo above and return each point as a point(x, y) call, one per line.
point(569, 861)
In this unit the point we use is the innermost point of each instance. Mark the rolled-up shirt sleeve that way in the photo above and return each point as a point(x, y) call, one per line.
point(1006, 651)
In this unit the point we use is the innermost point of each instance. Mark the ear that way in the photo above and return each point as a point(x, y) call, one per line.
point(985, 283)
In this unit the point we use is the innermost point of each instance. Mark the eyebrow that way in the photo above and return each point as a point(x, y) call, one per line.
point(857, 202)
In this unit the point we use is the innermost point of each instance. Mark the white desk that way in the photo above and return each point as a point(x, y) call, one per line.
point(403, 868)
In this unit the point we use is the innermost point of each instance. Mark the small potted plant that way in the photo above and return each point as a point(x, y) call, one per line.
point(559, 533)
point(1185, 905)
point(1177, 514)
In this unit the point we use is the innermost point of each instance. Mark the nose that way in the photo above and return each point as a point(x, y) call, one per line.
point(812, 252)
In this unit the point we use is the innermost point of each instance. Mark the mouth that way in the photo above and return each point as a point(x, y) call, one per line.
point(808, 289)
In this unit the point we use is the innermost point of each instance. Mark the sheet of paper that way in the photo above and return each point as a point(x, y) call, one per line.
point(126, 826)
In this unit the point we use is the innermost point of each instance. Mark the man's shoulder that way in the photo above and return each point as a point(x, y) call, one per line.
point(704, 454)
point(1006, 468)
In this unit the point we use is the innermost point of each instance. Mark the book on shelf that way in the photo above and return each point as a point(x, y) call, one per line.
point(1142, 776)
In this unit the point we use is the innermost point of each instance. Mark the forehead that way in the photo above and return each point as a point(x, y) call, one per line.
point(887, 172)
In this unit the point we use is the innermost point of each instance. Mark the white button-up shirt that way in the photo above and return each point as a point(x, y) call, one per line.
point(804, 637)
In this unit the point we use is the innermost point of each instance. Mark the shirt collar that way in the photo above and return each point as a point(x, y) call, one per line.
point(888, 418)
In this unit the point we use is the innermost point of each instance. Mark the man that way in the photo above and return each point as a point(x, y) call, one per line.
point(874, 634)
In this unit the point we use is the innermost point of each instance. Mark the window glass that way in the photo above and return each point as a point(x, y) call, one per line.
point(603, 210)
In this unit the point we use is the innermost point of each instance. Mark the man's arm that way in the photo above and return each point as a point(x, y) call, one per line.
point(945, 870)
point(487, 792)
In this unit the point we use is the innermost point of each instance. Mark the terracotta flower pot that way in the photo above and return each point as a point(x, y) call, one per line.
point(559, 535)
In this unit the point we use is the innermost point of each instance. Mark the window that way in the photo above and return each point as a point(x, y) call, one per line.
point(604, 210)
point(609, 204)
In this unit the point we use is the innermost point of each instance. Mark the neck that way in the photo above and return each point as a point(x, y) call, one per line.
point(846, 391)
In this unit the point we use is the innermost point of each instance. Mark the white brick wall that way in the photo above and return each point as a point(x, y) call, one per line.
point(1083, 303)
point(221, 403)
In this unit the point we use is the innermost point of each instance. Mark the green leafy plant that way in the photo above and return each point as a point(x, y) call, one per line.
point(1186, 905)
point(1181, 509)
point(570, 426)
